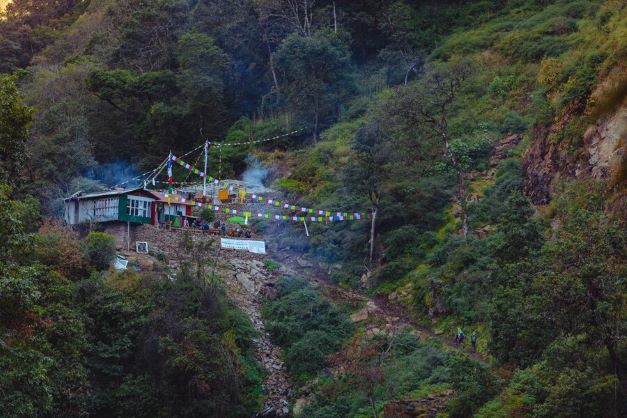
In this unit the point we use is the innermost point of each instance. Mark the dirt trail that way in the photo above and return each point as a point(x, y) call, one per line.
point(391, 309)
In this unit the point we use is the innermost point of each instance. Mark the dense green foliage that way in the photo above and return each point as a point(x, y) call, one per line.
point(112, 344)
point(306, 325)
point(99, 249)
point(107, 344)
point(423, 111)
point(402, 367)
point(14, 120)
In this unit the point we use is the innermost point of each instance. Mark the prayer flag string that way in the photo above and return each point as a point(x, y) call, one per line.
point(313, 217)
point(256, 198)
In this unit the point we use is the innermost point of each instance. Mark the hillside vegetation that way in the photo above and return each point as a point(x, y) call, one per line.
point(489, 137)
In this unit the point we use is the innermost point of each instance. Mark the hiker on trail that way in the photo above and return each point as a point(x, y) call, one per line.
point(459, 338)
point(473, 340)
point(223, 229)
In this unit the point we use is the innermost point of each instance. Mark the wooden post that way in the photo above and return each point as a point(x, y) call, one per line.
point(372, 227)
point(128, 236)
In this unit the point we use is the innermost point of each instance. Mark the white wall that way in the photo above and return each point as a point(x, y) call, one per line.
point(98, 210)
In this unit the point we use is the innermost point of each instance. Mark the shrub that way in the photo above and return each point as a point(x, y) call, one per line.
point(271, 265)
point(308, 354)
point(59, 249)
point(307, 326)
point(99, 249)
point(550, 69)
point(513, 123)
point(502, 86)
point(207, 215)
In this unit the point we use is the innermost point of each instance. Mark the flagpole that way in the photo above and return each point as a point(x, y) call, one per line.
point(170, 179)
point(204, 179)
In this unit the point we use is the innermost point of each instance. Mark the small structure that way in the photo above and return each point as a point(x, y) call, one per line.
point(172, 212)
point(120, 263)
point(123, 205)
point(118, 211)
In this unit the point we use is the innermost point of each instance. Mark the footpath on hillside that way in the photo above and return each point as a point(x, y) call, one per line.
point(381, 315)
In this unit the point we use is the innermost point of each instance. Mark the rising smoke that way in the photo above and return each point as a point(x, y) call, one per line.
point(255, 173)
point(114, 173)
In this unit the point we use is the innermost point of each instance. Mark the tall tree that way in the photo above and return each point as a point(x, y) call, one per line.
point(364, 174)
point(314, 70)
point(398, 22)
point(434, 95)
point(14, 120)
point(297, 15)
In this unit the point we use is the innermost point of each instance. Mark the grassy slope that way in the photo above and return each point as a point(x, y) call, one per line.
point(534, 62)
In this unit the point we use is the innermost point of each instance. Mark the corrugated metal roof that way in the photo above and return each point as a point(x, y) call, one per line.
point(80, 196)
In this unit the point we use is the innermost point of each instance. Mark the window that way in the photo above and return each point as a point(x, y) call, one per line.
point(106, 208)
point(138, 207)
point(174, 210)
point(170, 210)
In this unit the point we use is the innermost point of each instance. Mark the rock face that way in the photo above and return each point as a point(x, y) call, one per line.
point(360, 316)
point(247, 288)
point(502, 148)
point(604, 148)
point(429, 407)
point(603, 144)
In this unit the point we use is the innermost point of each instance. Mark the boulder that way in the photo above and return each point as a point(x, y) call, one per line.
point(246, 281)
point(304, 263)
point(360, 316)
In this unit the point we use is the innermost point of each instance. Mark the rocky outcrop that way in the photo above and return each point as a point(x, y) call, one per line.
point(501, 150)
point(603, 142)
point(603, 147)
point(541, 164)
point(430, 407)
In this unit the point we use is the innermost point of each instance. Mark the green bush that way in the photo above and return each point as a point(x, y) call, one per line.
point(307, 326)
point(308, 355)
point(271, 265)
point(207, 215)
point(99, 249)
point(513, 123)
point(502, 86)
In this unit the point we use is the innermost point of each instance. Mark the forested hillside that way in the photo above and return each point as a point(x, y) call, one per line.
point(487, 139)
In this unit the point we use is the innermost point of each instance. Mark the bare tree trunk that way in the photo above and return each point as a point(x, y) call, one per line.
point(372, 231)
point(409, 70)
point(272, 70)
point(372, 406)
point(461, 180)
point(315, 132)
point(334, 19)
point(461, 185)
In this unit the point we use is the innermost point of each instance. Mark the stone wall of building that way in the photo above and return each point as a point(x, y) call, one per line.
point(119, 231)
point(166, 241)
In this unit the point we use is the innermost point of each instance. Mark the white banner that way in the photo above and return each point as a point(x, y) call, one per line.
point(257, 247)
